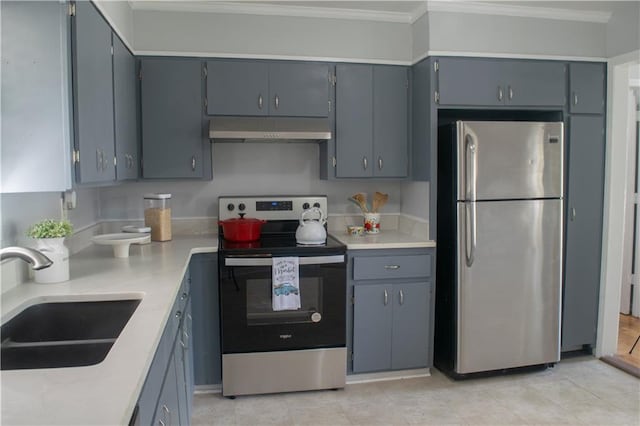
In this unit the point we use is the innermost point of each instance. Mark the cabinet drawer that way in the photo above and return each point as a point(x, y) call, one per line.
point(390, 267)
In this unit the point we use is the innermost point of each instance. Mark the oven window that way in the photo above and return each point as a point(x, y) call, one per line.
point(260, 310)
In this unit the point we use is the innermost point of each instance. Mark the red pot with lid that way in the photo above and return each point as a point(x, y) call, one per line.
point(241, 228)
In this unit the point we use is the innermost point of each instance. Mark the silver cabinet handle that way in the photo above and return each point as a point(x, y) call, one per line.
point(260, 101)
point(500, 93)
point(178, 314)
point(277, 101)
point(98, 160)
point(183, 296)
point(510, 93)
point(161, 423)
point(391, 266)
point(401, 297)
point(470, 204)
point(166, 409)
point(380, 163)
point(575, 98)
point(386, 297)
point(193, 163)
point(365, 163)
point(572, 215)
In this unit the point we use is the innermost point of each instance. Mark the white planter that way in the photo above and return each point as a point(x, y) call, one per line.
point(55, 250)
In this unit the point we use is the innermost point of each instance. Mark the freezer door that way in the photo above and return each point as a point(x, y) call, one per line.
point(509, 160)
point(508, 288)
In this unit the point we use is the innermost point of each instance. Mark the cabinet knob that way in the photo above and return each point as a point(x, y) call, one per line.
point(365, 163)
point(500, 93)
point(575, 98)
point(510, 93)
point(193, 163)
point(380, 163)
point(260, 102)
point(277, 101)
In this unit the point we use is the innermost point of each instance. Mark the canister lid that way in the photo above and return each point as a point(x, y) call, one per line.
point(154, 196)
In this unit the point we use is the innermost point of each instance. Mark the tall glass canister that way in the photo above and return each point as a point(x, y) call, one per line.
point(157, 216)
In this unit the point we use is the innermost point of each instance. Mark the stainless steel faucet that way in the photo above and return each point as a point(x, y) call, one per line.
point(36, 259)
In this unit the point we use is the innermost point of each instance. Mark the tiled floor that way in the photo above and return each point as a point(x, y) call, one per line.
point(577, 391)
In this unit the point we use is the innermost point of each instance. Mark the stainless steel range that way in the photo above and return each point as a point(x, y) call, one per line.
point(266, 350)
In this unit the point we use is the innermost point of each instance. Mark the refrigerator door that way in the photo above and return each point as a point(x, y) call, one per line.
point(509, 160)
point(508, 289)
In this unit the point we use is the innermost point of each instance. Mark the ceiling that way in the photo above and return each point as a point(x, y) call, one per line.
point(395, 11)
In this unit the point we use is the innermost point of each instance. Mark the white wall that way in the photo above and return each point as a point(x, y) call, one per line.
point(120, 15)
point(209, 34)
point(19, 211)
point(461, 32)
point(623, 35)
point(248, 169)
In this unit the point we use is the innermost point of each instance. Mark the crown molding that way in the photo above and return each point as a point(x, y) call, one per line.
point(454, 6)
point(274, 10)
point(594, 16)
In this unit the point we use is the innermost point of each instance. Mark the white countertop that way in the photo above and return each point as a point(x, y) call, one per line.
point(384, 240)
point(105, 393)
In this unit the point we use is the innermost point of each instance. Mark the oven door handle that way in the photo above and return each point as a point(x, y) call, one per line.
point(268, 261)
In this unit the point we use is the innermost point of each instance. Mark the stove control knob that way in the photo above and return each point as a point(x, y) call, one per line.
point(316, 205)
point(305, 206)
point(241, 206)
point(230, 207)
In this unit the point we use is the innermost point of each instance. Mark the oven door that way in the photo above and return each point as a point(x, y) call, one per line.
point(249, 324)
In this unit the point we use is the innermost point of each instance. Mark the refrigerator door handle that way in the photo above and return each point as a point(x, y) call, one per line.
point(470, 205)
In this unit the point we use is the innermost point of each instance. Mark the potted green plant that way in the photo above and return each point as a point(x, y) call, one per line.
point(49, 236)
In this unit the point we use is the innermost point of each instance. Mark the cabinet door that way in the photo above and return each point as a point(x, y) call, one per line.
point(93, 95)
point(470, 81)
point(390, 121)
point(587, 86)
point(167, 411)
point(300, 90)
point(172, 132)
point(535, 83)
point(34, 33)
point(584, 231)
point(354, 120)
point(125, 109)
point(207, 359)
point(372, 319)
point(237, 88)
point(410, 333)
point(179, 364)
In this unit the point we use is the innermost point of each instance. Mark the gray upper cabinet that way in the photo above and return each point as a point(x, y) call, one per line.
point(354, 120)
point(372, 121)
point(586, 88)
point(93, 95)
point(390, 121)
point(125, 111)
point(469, 81)
point(237, 88)
point(35, 152)
point(584, 231)
point(299, 89)
point(173, 129)
point(255, 88)
point(497, 82)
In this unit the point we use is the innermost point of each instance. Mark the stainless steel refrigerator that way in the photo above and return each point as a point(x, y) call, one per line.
point(500, 228)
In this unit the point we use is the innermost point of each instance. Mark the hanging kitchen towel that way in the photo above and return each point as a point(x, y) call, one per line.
point(285, 279)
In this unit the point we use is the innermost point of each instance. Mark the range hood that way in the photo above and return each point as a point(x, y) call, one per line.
point(268, 129)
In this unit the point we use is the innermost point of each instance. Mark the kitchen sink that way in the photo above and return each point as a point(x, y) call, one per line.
point(63, 334)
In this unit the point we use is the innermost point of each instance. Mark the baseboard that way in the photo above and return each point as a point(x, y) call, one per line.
point(205, 389)
point(622, 365)
point(388, 375)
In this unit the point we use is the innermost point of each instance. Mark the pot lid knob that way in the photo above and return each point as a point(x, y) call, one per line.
point(241, 215)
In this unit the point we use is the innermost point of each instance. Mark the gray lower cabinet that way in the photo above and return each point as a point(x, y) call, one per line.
point(125, 107)
point(92, 95)
point(174, 142)
point(585, 195)
point(587, 82)
point(207, 361)
point(372, 121)
point(500, 82)
point(391, 317)
point(276, 88)
point(167, 393)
